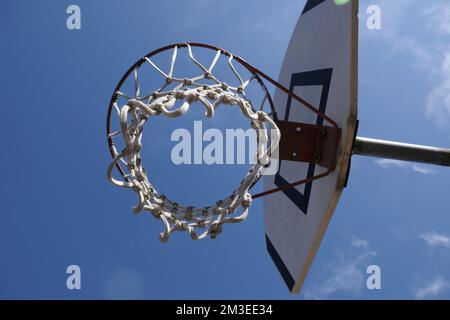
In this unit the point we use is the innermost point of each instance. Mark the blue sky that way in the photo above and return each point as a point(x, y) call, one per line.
point(58, 208)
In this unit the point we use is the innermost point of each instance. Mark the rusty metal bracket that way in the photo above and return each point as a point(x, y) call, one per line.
point(309, 143)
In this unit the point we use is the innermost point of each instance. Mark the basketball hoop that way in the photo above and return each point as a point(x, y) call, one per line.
point(210, 92)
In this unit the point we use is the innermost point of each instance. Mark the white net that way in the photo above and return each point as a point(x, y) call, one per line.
point(199, 222)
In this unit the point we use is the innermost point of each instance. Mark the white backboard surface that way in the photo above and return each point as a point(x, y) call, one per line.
point(321, 66)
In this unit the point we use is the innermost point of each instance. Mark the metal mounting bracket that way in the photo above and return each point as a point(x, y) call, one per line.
point(309, 143)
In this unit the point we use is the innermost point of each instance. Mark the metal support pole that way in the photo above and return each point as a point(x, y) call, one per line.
point(401, 151)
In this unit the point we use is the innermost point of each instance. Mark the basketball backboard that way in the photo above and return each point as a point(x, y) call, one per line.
point(320, 65)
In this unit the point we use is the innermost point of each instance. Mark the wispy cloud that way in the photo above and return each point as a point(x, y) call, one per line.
point(438, 101)
point(346, 272)
point(428, 45)
point(435, 239)
point(364, 245)
point(436, 287)
point(438, 16)
point(388, 163)
point(359, 243)
point(422, 169)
